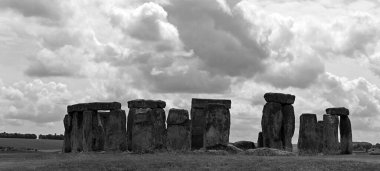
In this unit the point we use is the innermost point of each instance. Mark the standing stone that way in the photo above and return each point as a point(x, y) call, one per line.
point(271, 124)
point(87, 129)
point(260, 140)
point(198, 119)
point(77, 132)
point(345, 135)
point(178, 132)
point(217, 127)
point(308, 138)
point(330, 134)
point(131, 113)
point(146, 127)
point(142, 131)
point(114, 131)
point(320, 135)
point(67, 140)
point(288, 124)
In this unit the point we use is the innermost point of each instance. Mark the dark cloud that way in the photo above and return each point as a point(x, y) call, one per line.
point(34, 8)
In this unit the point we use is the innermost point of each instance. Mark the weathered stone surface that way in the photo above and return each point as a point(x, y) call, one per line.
point(93, 106)
point(142, 132)
point(198, 113)
point(330, 134)
point(179, 137)
point(337, 111)
point(320, 135)
point(279, 98)
point(159, 128)
point(148, 130)
point(141, 103)
point(179, 130)
point(92, 130)
point(177, 116)
point(131, 113)
point(244, 145)
point(308, 138)
point(198, 121)
point(115, 133)
point(260, 140)
point(217, 127)
point(233, 149)
point(271, 124)
point(288, 124)
point(345, 135)
point(76, 132)
point(67, 140)
point(202, 103)
point(268, 152)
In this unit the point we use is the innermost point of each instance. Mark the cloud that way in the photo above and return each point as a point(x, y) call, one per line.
point(34, 101)
point(66, 61)
point(49, 9)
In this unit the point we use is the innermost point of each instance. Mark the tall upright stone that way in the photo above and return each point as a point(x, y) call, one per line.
point(345, 135)
point(260, 140)
point(146, 128)
point(86, 130)
point(198, 119)
point(288, 125)
point(271, 124)
point(278, 121)
point(67, 135)
point(217, 126)
point(308, 138)
point(345, 128)
point(330, 134)
point(320, 135)
point(178, 131)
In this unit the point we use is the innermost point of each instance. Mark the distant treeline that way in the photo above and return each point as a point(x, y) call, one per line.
point(51, 137)
point(17, 135)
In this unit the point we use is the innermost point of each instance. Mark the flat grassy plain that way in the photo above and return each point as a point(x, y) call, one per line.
point(44, 159)
point(189, 161)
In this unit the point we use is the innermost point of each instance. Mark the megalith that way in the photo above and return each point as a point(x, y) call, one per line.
point(199, 110)
point(308, 138)
point(146, 128)
point(179, 130)
point(86, 128)
point(344, 127)
point(320, 136)
point(330, 134)
point(288, 125)
point(217, 126)
point(244, 145)
point(260, 141)
point(271, 124)
point(345, 135)
point(278, 121)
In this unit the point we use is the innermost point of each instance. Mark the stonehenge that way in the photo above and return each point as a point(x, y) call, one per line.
point(330, 134)
point(88, 128)
point(179, 130)
point(146, 128)
point(210, 123)
point(344, 127)
point(104, 126)
point(308, 137)
point(278, 121)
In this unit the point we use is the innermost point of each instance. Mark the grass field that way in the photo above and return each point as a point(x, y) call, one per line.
point(191, 161)
point(168, 161)
point(43, 145)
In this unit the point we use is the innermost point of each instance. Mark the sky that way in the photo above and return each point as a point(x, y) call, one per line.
point(54, 53)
